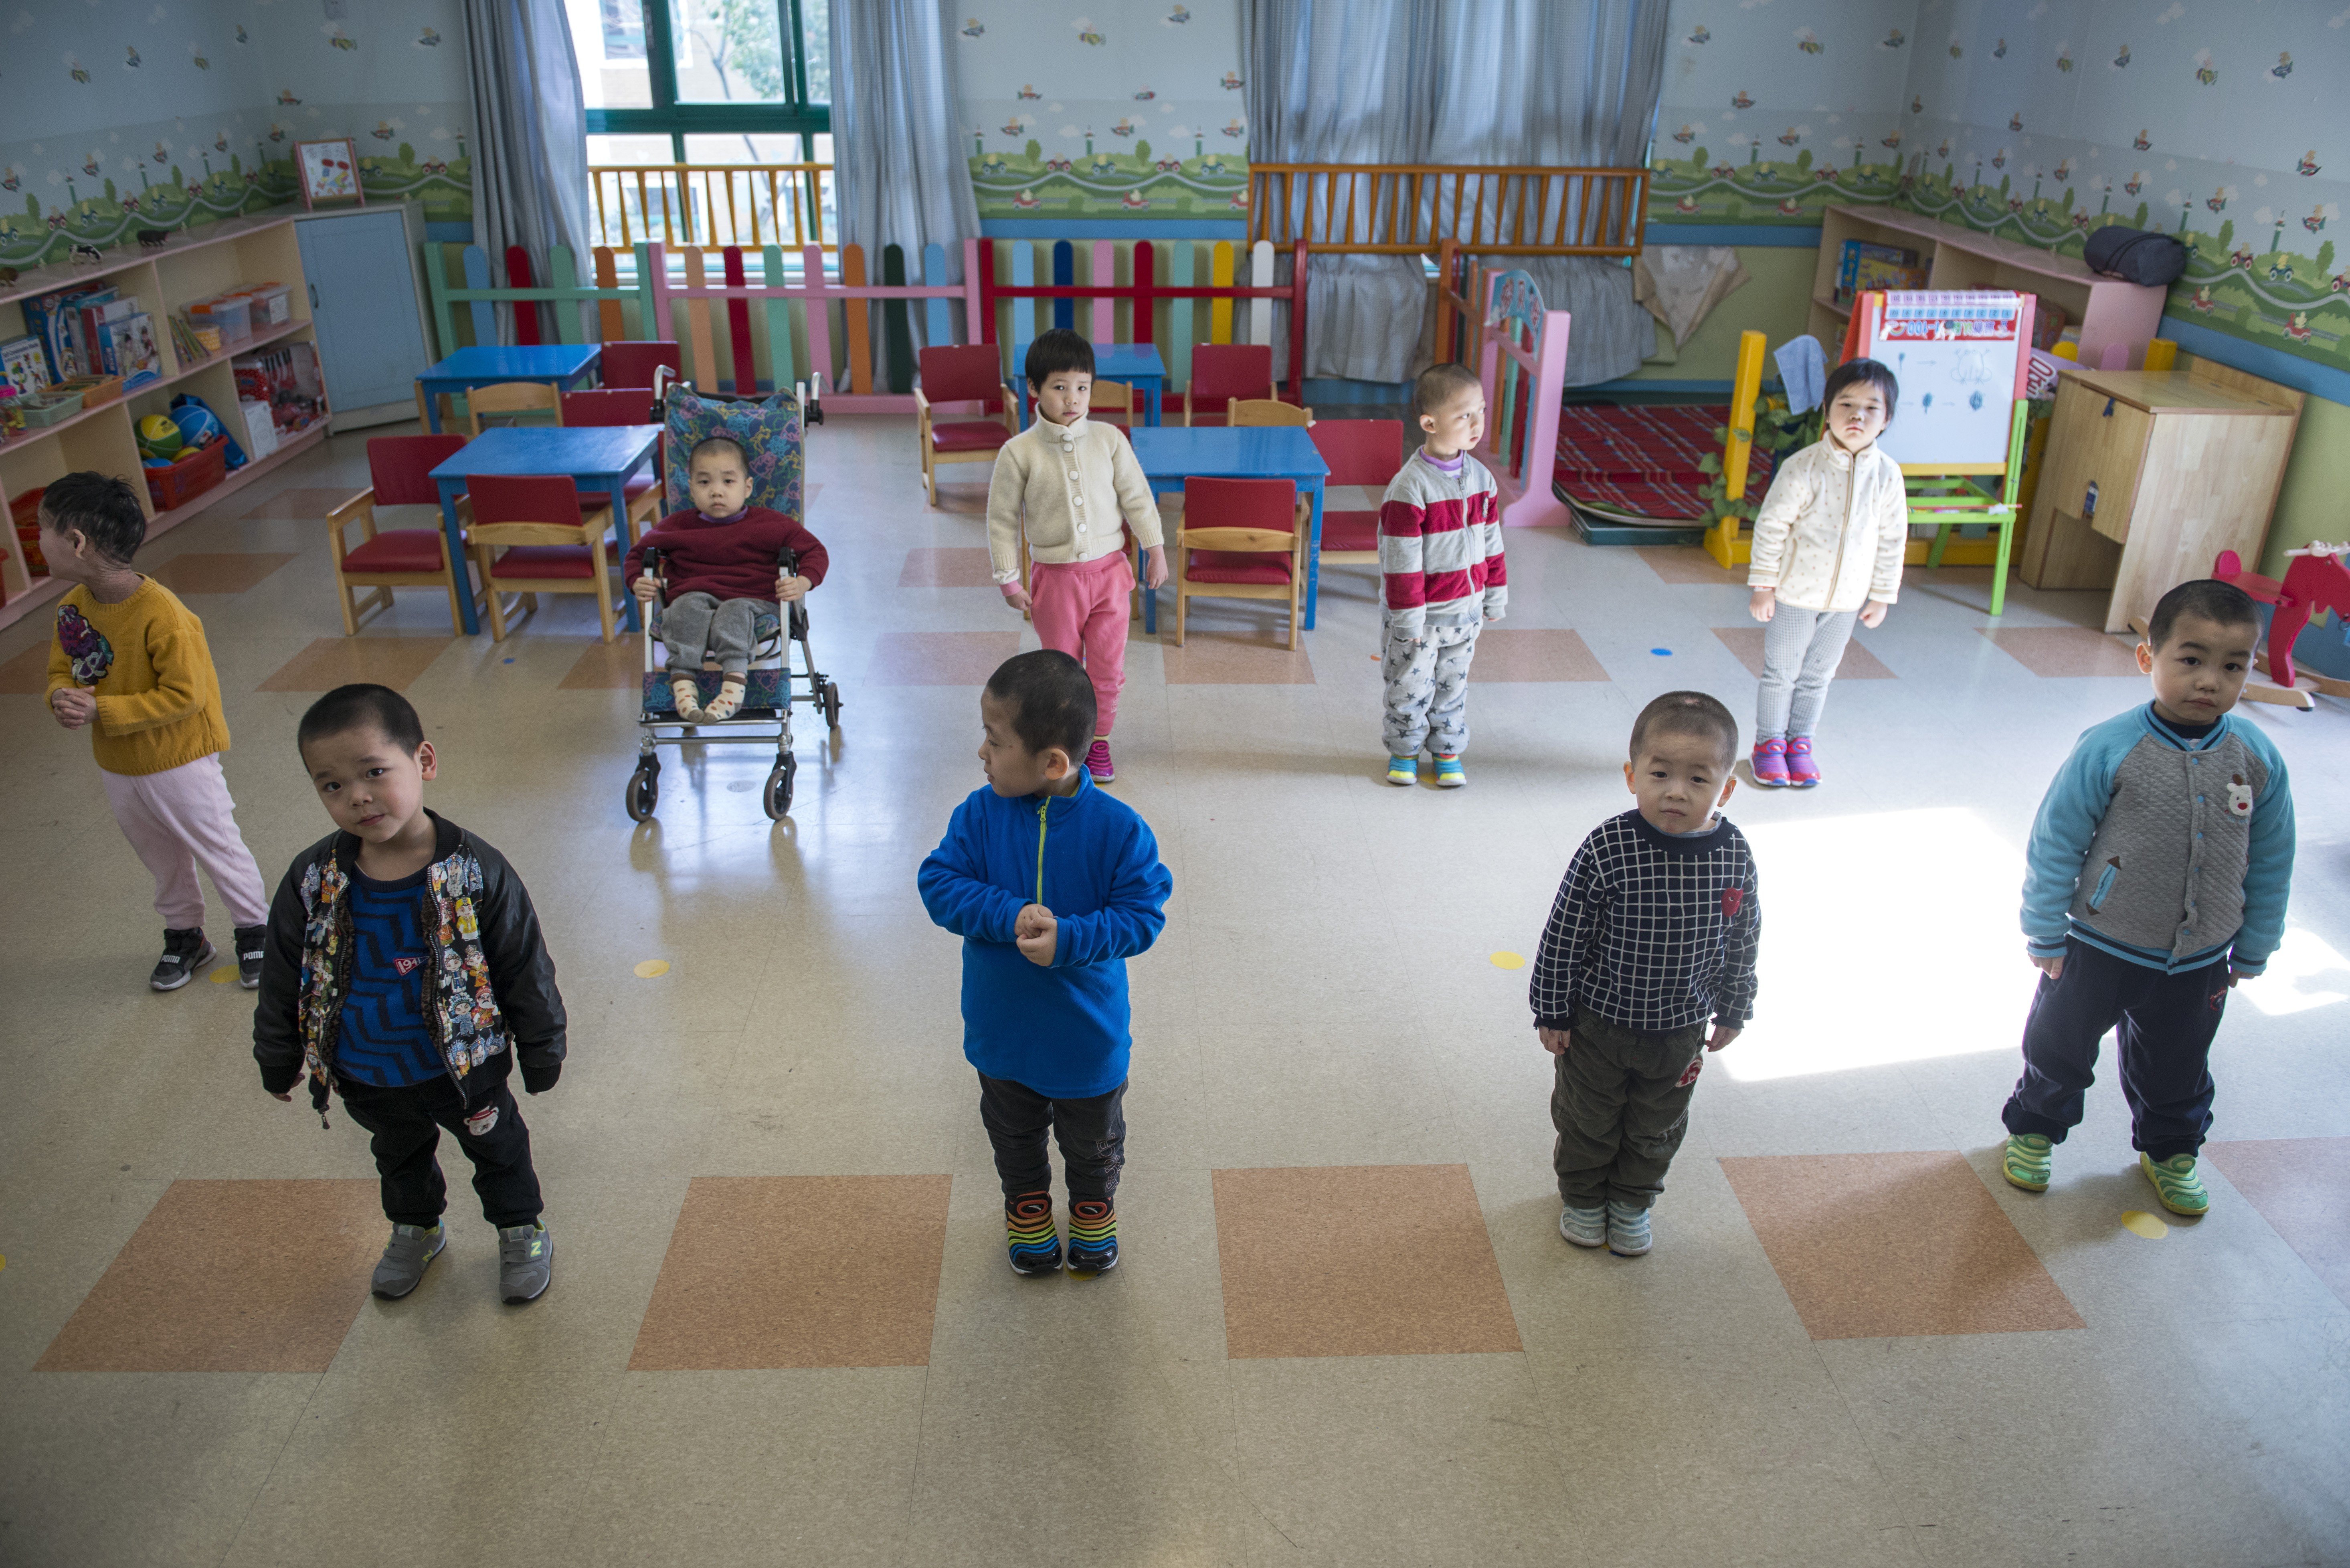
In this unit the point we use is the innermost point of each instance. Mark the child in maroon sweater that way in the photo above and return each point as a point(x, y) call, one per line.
point(722, 575)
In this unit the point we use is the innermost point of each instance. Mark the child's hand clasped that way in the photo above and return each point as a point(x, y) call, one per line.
point(1154, 567)
point(73, 705)
point(1558, 1041)
point(1762, 603)
point(1015, 595)
point(647, 587)
point(1037, 934)
point(788, 588)
point(1872, 614)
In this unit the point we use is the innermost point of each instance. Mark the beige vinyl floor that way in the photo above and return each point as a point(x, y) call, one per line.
point(1346, 1331)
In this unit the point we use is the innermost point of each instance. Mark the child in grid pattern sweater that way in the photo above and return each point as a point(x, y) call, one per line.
point(1653, 933)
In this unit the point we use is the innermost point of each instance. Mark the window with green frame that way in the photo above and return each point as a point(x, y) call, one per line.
point(705, 81)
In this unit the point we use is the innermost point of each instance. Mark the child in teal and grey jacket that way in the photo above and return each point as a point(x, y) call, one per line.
point(2158, 873)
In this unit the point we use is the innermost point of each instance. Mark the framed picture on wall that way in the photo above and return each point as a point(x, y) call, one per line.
point(330, 171)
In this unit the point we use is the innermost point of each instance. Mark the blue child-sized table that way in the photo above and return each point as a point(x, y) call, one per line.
point(595, 458)
point(562, 365)
point(1171, 455)
point(1135, 364)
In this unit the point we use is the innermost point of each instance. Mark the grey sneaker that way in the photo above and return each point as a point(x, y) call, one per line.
point(184, 952)
point(405, 1258)
point(250, 939)
point(526, 1262)
point(1584, 1227)
point(1628, 1231)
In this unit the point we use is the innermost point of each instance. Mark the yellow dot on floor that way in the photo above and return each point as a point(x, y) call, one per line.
point(652, 969)
point(1509, 960)
point(222, 976)
point(2139, 1223)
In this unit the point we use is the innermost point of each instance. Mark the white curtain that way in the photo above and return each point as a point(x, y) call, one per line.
point(895, 142)
point(1463, 82)
point(530, 134)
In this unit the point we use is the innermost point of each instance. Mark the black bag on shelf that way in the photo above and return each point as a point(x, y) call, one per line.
point(2135, 255)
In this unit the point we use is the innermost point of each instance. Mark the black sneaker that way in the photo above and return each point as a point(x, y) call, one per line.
point(184, 952)
point(249, 943)
point(1092, 1236)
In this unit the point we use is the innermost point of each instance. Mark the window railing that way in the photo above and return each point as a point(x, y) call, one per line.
point(1410, 208)
point(714, 205)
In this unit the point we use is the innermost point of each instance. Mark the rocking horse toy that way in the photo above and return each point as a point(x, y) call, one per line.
point(2316, 580)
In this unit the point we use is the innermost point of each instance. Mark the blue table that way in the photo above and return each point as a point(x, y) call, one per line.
point(562, 365)
point(1168, 456)
point(1135, 364)
point(596, 458)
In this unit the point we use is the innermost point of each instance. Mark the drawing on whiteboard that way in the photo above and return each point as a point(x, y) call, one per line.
point(1956, 355)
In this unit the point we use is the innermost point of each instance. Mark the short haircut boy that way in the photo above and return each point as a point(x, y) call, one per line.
point(2207, 598)
point(1687, 713)
point(1439, 384)
point(1051, 699)
point(105, 509)
point(715, 442)
point(362, 707)
point(1876, 372)
point(1062, 349)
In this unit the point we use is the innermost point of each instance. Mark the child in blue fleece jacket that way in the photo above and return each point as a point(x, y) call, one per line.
point(1053, 884)
point(2157, 877)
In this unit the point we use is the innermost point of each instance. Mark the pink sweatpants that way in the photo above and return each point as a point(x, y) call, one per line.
point(182, 819)
point(1081, 611)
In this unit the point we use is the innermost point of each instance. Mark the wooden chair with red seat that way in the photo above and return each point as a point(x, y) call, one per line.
point(621, 406)
point(530, 537)
point(1259, 412)
point(511, 402)
point(631, 362)
point(1113, 403)
point(1220, 372)
point(969, 374)
point(1255, 549)
point(400, 470)
point(1363, 452)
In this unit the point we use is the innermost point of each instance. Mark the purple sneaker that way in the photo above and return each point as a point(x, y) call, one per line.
point(1771, 764)
point(1801, 771)
point(1097, 762)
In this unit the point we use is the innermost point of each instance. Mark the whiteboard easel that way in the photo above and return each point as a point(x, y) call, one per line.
point(1960, 360)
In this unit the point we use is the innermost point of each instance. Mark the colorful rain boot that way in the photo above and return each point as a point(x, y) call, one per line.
point(1092, 1236)
point(1802, 773)
point(1771, 764)
point(1028, 1231)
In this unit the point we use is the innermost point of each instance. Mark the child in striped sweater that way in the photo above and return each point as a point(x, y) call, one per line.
point(1444, 576)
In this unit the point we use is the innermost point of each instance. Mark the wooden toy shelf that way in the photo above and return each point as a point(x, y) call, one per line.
point(255, 249)
point(2107, 310)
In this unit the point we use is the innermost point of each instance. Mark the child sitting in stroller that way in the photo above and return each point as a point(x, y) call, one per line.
point(720, 558)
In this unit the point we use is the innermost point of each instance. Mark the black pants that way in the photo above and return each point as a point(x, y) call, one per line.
point(1092, 1135)
point(1620, 1103)
point(2163, 1024)
point(407, 1124)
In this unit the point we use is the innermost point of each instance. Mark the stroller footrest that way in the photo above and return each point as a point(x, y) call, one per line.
point(762, 689)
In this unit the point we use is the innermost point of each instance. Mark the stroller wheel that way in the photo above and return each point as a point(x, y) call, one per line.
point(776, 799)
point(643, 792)
point(831, 705)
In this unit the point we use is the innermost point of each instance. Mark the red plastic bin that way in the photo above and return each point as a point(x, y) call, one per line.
point(184, 482)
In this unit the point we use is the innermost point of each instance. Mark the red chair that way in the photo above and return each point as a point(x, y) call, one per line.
point(623, 406)
point(1223, 371)
point(1367, 453)
point(970, 374)
point(1254, 550)
point(550, 546)
point(400, 469)
point(633, 363)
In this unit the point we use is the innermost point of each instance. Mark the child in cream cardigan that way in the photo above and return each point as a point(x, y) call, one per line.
point(1069, 483)
point(1828, 543)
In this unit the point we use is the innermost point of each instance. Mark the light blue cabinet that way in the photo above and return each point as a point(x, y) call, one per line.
point(361, 272)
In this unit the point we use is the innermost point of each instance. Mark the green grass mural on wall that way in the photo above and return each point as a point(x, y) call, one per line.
point(1095, 184)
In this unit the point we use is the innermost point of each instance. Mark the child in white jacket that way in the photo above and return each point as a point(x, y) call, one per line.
point(1829, 537)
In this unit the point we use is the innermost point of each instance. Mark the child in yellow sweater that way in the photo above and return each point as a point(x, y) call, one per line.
point(130, 661)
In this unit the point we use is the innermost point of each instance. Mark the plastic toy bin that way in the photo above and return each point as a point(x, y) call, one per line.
point(184, 482)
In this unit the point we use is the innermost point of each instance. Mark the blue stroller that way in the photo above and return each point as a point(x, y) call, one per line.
point(770, 429)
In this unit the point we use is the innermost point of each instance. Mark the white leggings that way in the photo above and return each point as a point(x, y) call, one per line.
point(182, 819)
point(1801, 651)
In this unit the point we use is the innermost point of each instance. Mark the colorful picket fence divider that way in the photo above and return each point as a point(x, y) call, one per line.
point(704, 311)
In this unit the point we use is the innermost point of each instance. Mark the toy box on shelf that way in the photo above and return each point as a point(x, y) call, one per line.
point(285, 379)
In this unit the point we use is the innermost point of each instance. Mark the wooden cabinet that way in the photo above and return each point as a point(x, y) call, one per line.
point(195, 265)
point(2185, 463)
point(2110, 313)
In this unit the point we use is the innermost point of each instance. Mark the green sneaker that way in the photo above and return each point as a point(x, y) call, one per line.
point(2175, 1183)
point(1403, 770)
point(2029, 1156)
